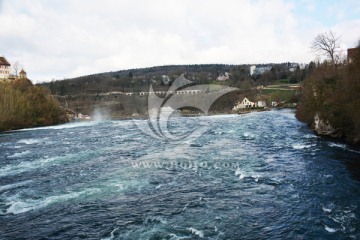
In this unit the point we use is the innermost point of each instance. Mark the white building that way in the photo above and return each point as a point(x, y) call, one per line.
point(261, 104)
point(223, 77)
point(261, 70)
point(4, 68)
point(245, 103)
point(252, 70)
point(274, 104)
point(165, 79)
point(83, 117)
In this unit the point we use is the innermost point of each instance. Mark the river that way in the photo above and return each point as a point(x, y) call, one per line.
point(256, 176)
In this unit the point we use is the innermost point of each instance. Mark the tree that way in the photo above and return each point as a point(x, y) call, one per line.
point(15, 67)
point(325, 44)
point(62, 89)
point(312, 66)
point(24, 105)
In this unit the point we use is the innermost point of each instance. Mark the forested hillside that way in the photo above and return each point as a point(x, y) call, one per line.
point(108, 90)
point(136, 80)
point(24, 105)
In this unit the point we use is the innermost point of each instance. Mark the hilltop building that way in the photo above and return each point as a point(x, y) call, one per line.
point(22, 74)
point(4, 68)
point(5, 71)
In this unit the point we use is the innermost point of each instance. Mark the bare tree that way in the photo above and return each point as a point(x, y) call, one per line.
point(325, 44)
point(16, 66)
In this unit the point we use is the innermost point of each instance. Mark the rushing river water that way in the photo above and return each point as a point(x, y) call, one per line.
point(255, 176)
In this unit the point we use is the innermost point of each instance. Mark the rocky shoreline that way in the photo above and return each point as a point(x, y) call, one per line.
point(324, 129)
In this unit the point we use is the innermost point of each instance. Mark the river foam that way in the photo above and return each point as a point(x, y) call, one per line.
point(17, 205)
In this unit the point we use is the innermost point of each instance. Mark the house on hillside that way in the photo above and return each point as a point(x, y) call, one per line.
point(223, 77)
point(4, 68)
point(165, 79)
point(245, 103)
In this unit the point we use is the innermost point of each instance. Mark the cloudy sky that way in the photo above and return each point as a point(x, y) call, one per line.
point(62, 39)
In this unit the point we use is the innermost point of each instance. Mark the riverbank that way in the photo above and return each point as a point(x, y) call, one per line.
point(330, 99)
point(325, 130)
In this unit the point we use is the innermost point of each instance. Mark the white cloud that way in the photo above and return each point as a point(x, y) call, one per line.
point(349, 36)
point(55, 39)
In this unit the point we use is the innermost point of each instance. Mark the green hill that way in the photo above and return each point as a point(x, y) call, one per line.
point(108, 90)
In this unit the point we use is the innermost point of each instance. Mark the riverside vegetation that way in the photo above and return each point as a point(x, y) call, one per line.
point(23, 105)
point(331, 94)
